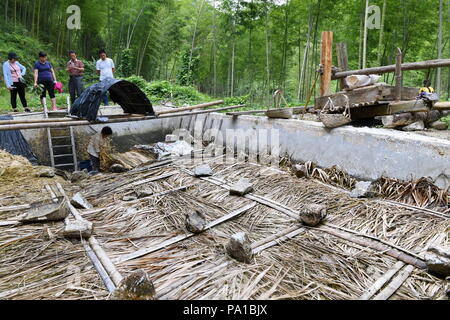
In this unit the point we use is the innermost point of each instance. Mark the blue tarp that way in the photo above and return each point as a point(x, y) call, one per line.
point(14, 142)
point(126, 94)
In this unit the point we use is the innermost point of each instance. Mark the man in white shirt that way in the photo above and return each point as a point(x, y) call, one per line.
point(105, 69)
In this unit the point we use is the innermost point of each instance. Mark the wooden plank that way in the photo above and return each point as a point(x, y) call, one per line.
point(389, 109)
point(442, 106)
point(378, 92)
point(179, 238)
point(15, 208)
point(326, 59)
point(381, 282)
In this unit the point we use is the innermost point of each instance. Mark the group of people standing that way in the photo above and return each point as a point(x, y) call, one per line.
point(45, 77)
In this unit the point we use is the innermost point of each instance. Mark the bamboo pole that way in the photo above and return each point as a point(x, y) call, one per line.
point(200, 106)
point(177, 110)
point(429, 64)
point(77, 123)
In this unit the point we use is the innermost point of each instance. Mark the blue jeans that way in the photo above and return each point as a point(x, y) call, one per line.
point(105, 99)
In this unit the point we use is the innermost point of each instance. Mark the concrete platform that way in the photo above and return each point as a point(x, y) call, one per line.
point(366, 153)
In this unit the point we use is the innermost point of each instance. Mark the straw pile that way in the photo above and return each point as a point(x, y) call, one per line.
point(13, 165)
point(313, 265)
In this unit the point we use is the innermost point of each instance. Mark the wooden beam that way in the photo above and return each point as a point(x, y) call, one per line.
point(442, 106)
point(342, 57)
point(430, 64)
point(326, 60)
point(389, 109)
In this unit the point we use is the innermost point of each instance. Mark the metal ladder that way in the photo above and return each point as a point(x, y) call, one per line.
point(61, 144)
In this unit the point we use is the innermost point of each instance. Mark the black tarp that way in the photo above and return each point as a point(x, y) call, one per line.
point(126, 94)
point(14, 142)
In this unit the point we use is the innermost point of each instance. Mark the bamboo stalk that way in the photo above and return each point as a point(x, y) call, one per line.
point(200, 106)
point(179, 238)
point(395, 284)
point(106, 262)
point(99, 267)
point(369, 293)
point(77, 123)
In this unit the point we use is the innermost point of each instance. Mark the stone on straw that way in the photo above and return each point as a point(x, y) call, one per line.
point(241, 188)
point(313, 214)
point(196, 222)
point(239, 247)
point(137, 286)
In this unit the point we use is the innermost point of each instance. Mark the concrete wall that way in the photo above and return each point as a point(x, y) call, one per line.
point(366, 153)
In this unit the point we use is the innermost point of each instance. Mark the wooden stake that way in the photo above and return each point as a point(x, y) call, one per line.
point(342, 57)
point(326, 60)
point(398, 76)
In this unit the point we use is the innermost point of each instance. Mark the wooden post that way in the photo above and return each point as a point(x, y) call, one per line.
point(342, 57)
point(398, 75)
point(326, 61)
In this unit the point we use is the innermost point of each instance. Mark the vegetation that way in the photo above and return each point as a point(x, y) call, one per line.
point(227, 48)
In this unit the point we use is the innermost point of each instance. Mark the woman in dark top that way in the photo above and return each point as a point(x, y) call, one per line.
point(44, 75)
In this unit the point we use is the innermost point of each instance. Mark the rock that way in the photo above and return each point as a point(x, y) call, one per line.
point(239, 247)
point(45, 172)
point(363, 189)
point(439, 125)
point(438, 261)
point(45, 212)
point(416, 126)
point(196, 222)
point(79, 175)
point(313, 214)
point(79, 202)
point(137, 286)
point(241, 188)
point(118, 168)
point(129, 198)
point(203, 170)
point(78, 229)
point(144, 193)
point(300, 170)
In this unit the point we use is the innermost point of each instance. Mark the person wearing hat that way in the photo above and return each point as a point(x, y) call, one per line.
point(13, 73)
point(45, 76)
